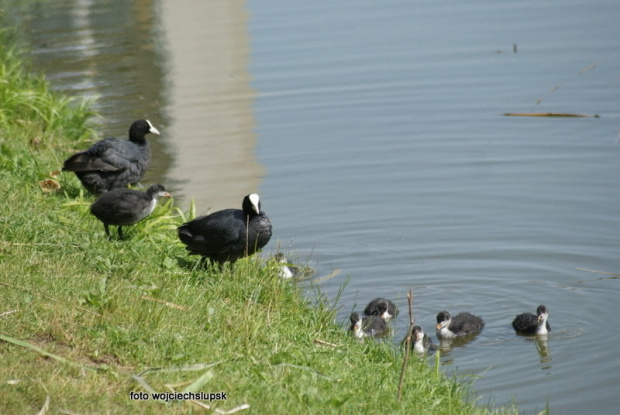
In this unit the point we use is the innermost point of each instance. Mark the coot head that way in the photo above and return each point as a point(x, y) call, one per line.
point(251, 205)
point(542, 313)
point(157, 190)
point(139, 129)
point(421, 341)
point(381, 307)
point(418, 333)
point(443, 319)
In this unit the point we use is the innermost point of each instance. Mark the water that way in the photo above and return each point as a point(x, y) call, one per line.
point(374, 134)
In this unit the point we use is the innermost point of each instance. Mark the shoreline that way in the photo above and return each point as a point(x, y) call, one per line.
point(92, 320)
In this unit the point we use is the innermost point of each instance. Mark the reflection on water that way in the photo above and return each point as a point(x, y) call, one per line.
point(542, 345)
point(105, 51)
point(209, 103)
point(182, 65)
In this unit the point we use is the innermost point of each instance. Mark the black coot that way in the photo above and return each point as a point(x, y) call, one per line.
point(382, 308)
point(123, 207)
point(371, 326)
point(528, 323)
point(112, 163)
point(460, 325)
point(229, 234)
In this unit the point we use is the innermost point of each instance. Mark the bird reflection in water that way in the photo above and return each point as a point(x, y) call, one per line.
point(544, 353)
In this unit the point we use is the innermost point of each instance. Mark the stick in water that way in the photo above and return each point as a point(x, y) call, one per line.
point(407, 344)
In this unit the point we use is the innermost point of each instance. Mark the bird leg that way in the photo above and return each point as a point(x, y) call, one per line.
point(107, 230)
point(247, 235)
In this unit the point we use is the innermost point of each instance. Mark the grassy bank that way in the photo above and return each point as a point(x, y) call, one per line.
point(85, 321)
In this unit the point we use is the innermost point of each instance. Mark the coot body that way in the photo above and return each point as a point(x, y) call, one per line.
point(371, 326)
point(112, 163)
point(528, 323)
point(421, 341)
point(381, 307)
point(229, 234)
point(462, 324)
point(124, 207)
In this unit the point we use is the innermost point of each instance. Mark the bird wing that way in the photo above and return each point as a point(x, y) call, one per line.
point(110, 154)
point(525, 321)
point(213, 234)
point(127, 208)
point(465, 323)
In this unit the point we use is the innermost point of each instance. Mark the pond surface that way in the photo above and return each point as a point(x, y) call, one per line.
point(374, 134)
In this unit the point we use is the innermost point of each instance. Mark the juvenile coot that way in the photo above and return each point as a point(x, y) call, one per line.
point(381, 307)
point(528, 323)
point(421, 341)
point(286, 270)
point(371, 326)
point(224, 236)
point(123, 207)
point(461, 325)
point(112, 163)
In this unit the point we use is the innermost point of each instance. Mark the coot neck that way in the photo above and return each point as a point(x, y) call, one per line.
point(139, 140)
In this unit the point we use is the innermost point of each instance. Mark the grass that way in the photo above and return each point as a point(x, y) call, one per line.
point(85, 321)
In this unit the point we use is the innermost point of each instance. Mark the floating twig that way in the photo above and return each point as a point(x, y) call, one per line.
point(548, 114)
point(590, 67)
point(612, 276)
point(558, 86)
point(598, 272)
